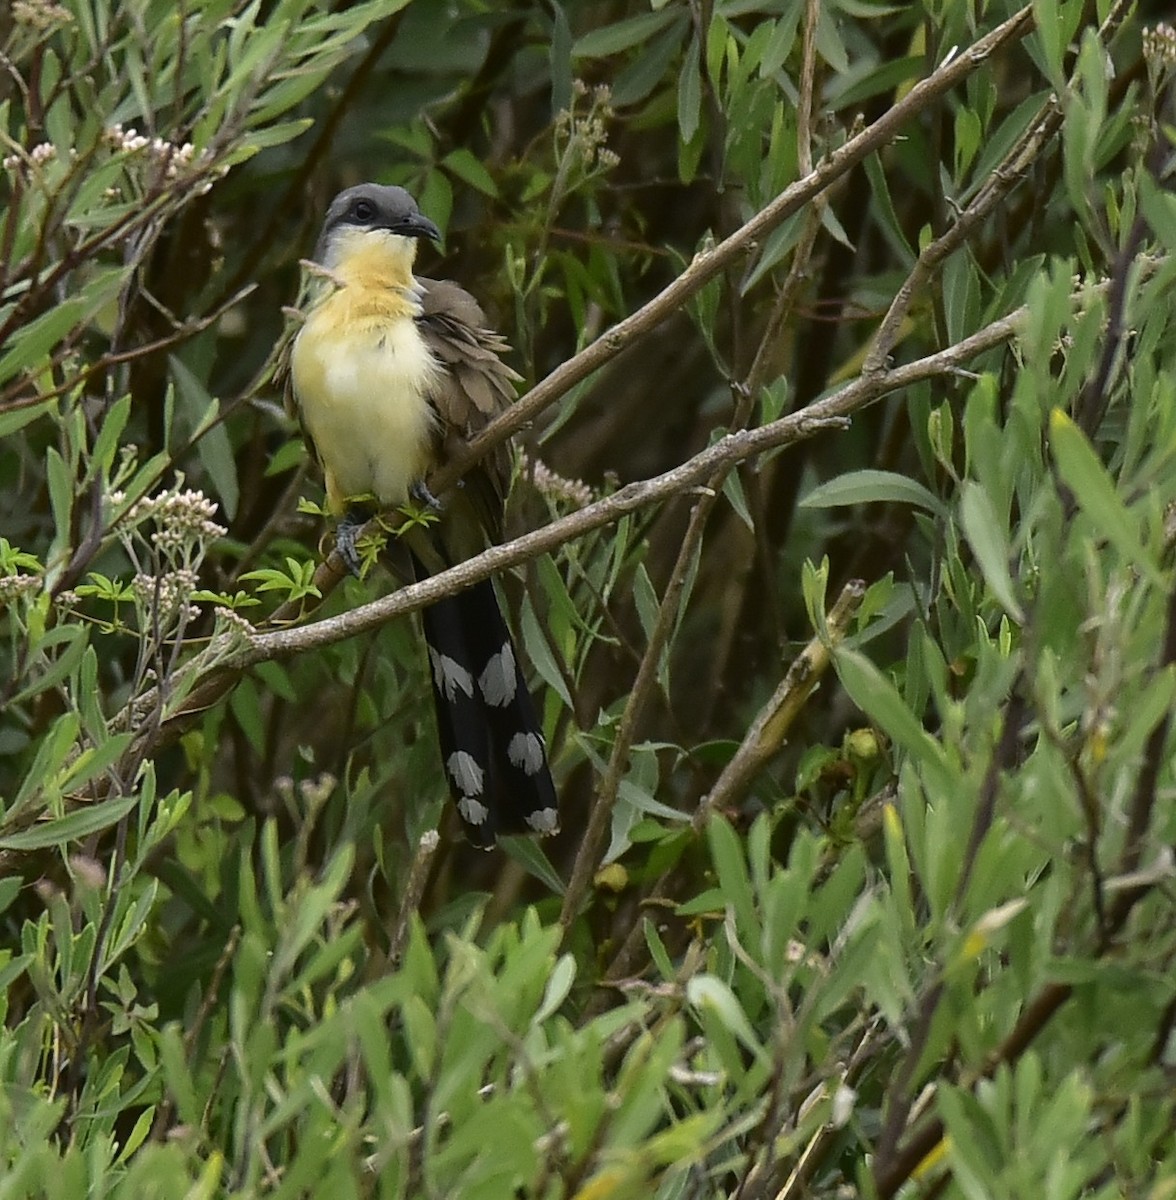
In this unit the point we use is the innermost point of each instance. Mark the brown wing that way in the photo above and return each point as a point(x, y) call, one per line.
point(474, 386)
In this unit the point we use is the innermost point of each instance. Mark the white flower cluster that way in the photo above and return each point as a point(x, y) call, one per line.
point(40, 14)
point(131, 141)
point(587, 133)
point(172, 157)
point(179, 517)
point(176, 527)
point(1159, 45)
point(313, 793)
point(230, 619)
point(12, 587)
point(167, 594)
point(40, 154)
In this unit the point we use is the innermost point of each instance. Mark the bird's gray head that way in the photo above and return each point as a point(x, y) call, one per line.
point(371, 208)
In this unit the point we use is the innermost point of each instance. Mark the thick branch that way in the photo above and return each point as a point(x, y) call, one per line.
point(214, 672)
point(830, 412)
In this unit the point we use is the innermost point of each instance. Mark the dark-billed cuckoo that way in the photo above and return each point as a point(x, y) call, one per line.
point(389, 372)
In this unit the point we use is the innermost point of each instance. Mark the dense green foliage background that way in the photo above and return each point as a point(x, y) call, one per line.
point(897, 921)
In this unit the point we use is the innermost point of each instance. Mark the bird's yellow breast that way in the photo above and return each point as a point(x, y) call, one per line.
point(361, 374)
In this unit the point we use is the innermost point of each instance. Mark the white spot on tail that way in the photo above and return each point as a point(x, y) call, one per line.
point(450, 676)
point(467, 776)
point(498, 680)
point(472, 810)
point(525, 751)
point(544, 820)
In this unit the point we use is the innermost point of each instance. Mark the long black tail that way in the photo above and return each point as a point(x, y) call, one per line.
point(491, 744)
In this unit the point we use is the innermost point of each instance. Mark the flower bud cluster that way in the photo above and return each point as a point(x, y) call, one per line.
point(554, 486)
point(131, 141)
point(40, 14)
point(1159, 45)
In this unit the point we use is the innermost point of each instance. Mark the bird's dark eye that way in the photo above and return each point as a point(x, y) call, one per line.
point(363, 210)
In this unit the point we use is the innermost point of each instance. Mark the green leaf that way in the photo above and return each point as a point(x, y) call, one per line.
point(829, 44)
point(961, 295)
point(1159, 207)
point(15, 418)
point(888, 218)
point(106, 443)
point(61, 666)
point(733, 490)
point(560, 59)
point(887, 77)
point(540, 653)
point(280, 132)
point(779, 43)
point(690, 93)
point(559, 985)
point(138, 1134)
point(180, 1083)
point(612, 39)
point(210, 436)
point(51, 752)
point(1094, 491)
point(33, 341)
point(61, 495)
point(9, 889)
point(731, 867)
point(649, 69)
point(880, 700)
point(968, 132)
point(987, 535)
point(87, 820)
point(469, 170)
point(94, 760)
point(1048, 35)
point(528, 852)
point(873, 487)
point(709, 992)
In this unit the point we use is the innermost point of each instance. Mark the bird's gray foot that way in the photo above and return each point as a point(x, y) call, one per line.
point(419, 491)
point(346, 533)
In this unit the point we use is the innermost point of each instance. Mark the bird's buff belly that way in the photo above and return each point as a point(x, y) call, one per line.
point(363, 399)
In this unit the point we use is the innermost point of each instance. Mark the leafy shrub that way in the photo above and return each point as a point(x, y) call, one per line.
point(849, 463)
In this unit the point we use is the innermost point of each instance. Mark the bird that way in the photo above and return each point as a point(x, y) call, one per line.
point(389, 374)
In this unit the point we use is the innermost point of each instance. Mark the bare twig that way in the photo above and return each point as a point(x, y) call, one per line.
point(808, 77)
point(767, 732)
point(414, 889)
point(639, 695)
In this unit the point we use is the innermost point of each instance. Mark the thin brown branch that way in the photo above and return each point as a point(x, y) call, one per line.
point(830, 412)
point(808, 78)
point(767, 732)
point(998, 184)
point(667, 616)
point(414, 889)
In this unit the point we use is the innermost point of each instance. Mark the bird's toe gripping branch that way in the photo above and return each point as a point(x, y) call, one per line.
point(346, 534)
point(419, 491)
